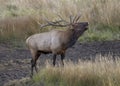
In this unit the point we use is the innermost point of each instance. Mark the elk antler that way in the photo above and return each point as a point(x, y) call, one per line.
point(71, 18)
point(56, 23)
point(76, 18)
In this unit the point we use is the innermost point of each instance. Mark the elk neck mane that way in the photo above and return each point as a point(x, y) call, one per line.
point(72, 36)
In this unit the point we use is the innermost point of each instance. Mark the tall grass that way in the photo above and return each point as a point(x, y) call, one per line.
point(18, 26)
point(95, 11)
point(102, 15)
point(102, 72)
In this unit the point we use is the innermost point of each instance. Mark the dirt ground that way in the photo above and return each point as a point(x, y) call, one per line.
point(15, 63)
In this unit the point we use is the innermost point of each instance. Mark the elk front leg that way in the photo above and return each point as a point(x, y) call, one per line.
point(54, 59)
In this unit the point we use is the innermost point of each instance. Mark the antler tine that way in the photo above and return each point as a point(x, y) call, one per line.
point(70, 19)
point(57, 23)
point(77, 18)
point(62, 19)
point(42, 26)
point(74, 19)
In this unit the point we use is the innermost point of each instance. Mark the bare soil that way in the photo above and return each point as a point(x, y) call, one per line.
point(15, 62)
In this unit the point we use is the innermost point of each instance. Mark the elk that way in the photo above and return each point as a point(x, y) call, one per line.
point(55, 41)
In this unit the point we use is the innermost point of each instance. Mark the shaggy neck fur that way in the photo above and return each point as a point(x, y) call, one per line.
point(74, 37)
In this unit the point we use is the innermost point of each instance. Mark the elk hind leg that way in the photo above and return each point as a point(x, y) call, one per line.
point(35, 56)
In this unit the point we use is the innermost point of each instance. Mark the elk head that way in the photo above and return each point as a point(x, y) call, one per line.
point(78, 27)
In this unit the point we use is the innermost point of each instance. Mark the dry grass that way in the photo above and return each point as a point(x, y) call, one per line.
point(102, 72)
point(19, 27)
point(15, 22)
point(96, 11)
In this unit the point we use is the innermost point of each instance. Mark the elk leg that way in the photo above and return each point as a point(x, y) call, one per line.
point(35, 56)
point(54, 59)
point(32, 65)
point(62, 58)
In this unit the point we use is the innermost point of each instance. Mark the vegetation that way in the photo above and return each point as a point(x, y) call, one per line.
point(102, 72)
point(21, 18)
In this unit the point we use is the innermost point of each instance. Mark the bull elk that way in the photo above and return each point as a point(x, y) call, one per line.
point(55, 41)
